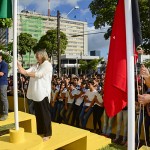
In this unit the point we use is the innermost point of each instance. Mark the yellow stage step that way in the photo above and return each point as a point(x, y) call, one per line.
point(95, 141)
point(64, 137)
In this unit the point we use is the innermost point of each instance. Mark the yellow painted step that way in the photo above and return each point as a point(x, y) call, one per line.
point(31, 142)
point(95, 141)
point(66, 137)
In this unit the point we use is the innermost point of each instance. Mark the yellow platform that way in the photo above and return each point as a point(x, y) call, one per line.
point(26, 121)
point(22, 104)
point(144, 148)
point(63, 137)
point(31, 142)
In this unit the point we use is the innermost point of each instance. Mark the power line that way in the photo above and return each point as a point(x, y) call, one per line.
point(86, 34)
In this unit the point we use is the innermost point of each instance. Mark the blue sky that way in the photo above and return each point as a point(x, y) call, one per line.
point(96, 41)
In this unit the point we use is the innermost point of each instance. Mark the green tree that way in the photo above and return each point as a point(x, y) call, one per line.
point(91, 66)
point(1, 46)
point(25, 43)
point(83, 65)
point(5, 54)
point(10, 47)
point(49, 42)
point(5, 22)
point(104, 10)
point(7, 57)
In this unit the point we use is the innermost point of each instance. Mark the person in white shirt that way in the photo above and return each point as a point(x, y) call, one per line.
point(87, 109)
point(78, 104)
point(39, 90)
point(98, 110)
point(69, 103)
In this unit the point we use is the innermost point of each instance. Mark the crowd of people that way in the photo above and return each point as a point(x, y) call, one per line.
point(73, 99)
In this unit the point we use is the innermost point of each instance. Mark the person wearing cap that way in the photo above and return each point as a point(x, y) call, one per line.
point(3, 89)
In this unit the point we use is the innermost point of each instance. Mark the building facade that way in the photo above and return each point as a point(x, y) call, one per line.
point(37, 25)
point(95, 53)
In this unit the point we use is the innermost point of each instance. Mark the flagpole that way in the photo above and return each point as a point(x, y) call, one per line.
point(130, 75)
point(15, 83)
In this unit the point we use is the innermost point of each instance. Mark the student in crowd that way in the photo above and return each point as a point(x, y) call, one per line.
point(98, 110)
point(87, 109)
point(78, 104)
point(107, 126)
point(122, 117)
point(61, 96)
point(68, 107)
point(53, 103)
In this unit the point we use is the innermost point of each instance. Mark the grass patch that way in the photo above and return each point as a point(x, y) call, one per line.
point(114, 146)
point(5, 129)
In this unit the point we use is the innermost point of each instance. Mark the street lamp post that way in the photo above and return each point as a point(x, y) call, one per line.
point(58, 39)
point(76, 7)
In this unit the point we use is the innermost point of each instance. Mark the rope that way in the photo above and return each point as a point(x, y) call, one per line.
point(140, 110)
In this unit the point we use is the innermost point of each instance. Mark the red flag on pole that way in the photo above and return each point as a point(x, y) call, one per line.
point(115, 86)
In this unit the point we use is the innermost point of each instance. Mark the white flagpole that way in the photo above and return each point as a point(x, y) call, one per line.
point(130, 74)
point(15, 83)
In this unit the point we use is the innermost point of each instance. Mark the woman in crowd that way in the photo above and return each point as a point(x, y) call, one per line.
point(61, 97)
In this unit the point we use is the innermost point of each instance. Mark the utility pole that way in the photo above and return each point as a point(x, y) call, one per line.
point(58, 44)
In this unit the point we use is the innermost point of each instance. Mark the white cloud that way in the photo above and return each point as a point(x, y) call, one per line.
point(42, 5)
point(84, 11)
point(97, 41)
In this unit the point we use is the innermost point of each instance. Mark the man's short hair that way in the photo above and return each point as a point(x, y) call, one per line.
point(1, 54)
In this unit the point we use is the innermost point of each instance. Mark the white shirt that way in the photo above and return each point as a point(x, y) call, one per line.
point(40, 85)
point(91, 95)
point(73, 92)
point(63, 92)
point(79, 100)
point(99, 98)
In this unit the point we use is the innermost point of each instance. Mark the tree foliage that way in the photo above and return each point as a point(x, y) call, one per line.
point(104, 10)
point(5, 22)
point(25, 43)
point(5, 53)
point(7, 57)
point(49, 42)
point(91, 66)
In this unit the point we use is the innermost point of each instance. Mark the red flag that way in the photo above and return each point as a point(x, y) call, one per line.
point(115, 86)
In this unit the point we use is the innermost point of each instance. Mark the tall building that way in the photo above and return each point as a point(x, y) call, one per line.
point(95, 53)
point(37, 25)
